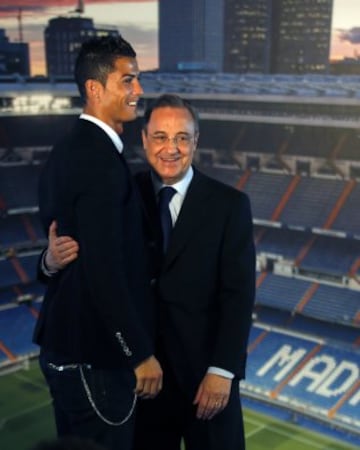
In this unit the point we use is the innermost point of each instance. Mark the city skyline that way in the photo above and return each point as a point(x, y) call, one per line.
point(137, 21)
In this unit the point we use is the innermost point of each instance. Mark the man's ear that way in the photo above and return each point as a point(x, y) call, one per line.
point(144, 137)
point(93, 89)
point(196, 138)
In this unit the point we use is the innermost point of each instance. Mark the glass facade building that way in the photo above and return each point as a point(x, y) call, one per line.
point(14, 56)
point(277, 36)
point(191, 35)
point(63, 38)
point(245, 36)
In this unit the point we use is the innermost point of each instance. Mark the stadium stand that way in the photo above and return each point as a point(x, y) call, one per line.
point(349, 216)
point(9, 185)
point(298, 161)
point(283, 242)
point(265, 191)
point(305, 372)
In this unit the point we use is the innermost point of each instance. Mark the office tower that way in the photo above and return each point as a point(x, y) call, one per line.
point(14, 56)
point(63, 39)
point(277, 36)
point(247, 36)
point(301, 32)
point(191, 35)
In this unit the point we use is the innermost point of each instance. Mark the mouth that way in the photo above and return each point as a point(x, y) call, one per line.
point(170, 160)
point(132, 103)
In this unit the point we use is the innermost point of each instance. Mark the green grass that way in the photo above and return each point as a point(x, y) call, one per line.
point(25, 410)
point(26, 417)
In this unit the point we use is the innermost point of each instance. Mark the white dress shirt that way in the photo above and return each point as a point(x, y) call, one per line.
point(108, 130)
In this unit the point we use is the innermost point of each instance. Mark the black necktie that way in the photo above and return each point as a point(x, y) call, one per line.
point(165, 195)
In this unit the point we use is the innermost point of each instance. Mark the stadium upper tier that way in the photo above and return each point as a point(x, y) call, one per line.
point(308, 100)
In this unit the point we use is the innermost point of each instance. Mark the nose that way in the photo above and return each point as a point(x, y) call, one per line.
point(138, 90)
point(172, 144)
point(171, 147)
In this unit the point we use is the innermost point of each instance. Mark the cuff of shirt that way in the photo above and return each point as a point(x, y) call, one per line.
point(44, 269)
point(222, 372)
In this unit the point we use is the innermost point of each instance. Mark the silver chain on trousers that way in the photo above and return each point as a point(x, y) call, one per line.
point(98, 413)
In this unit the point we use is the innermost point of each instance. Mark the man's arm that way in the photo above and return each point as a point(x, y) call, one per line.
point(236, 297)
point(61, 251)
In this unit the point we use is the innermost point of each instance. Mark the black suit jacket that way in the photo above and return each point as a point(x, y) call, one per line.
point(206, 282)
point(98, 309)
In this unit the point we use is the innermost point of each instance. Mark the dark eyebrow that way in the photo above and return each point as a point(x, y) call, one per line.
point(131, 75)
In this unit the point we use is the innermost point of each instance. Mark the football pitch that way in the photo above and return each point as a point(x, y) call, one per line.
point(26, 418)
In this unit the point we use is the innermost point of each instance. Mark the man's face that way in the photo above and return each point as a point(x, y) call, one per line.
point(170, 142)
point(116, 101)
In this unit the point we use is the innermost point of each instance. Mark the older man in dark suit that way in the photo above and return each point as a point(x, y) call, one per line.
point(205, 291)
point(95, 324)
point(203, 276)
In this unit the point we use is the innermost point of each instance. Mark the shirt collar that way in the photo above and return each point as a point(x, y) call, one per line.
point(181, 186)
point(108, 130)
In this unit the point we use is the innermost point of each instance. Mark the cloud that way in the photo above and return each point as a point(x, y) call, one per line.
point(31, 7)
point(144, 42)
point(352, 35)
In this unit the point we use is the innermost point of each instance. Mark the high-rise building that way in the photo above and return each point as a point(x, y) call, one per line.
point(242, 36)
point(247, 36)
point(277, 36)
point(191, 35)
point(14, 56)
point(301, 32)
point(63, 39)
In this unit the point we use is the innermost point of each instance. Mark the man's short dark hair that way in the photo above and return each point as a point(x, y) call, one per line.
point(97, 58)
point(171, 101)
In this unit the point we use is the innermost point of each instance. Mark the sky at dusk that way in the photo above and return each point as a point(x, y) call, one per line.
point(137, 21)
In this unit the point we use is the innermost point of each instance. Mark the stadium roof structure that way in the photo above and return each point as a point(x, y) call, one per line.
point(346, 86)
point(316, 100)
point(253, 84)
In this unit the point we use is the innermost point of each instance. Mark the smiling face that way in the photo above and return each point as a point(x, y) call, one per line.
point(115, 102)
point(169, 141)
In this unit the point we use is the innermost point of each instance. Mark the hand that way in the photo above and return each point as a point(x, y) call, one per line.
point(61, 250)
point(212, 395)
point(148, 378)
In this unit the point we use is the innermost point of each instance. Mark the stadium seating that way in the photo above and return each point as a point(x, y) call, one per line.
point(16, 329)
point(332, 255)
point(305, 372)
point(307, 221)
point(25, 195)
point(349, 216)
point(266, 190)
point(333, 304)
point(317, 197)
point(281, 292)
point(329, 303)
point(284, 242)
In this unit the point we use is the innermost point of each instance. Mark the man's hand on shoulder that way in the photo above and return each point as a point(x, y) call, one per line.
point(148, 378)
point(62, 250)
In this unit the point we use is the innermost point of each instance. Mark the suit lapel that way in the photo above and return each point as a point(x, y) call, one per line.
point(193, 216)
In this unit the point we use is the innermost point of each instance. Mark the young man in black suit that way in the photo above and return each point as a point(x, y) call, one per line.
point(204, 284)
point(94, 327)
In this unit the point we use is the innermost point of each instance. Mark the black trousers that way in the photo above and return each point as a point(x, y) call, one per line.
point(161, 423)
point(77, 390)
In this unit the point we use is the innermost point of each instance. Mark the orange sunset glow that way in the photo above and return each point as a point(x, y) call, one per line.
point(137, 21)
